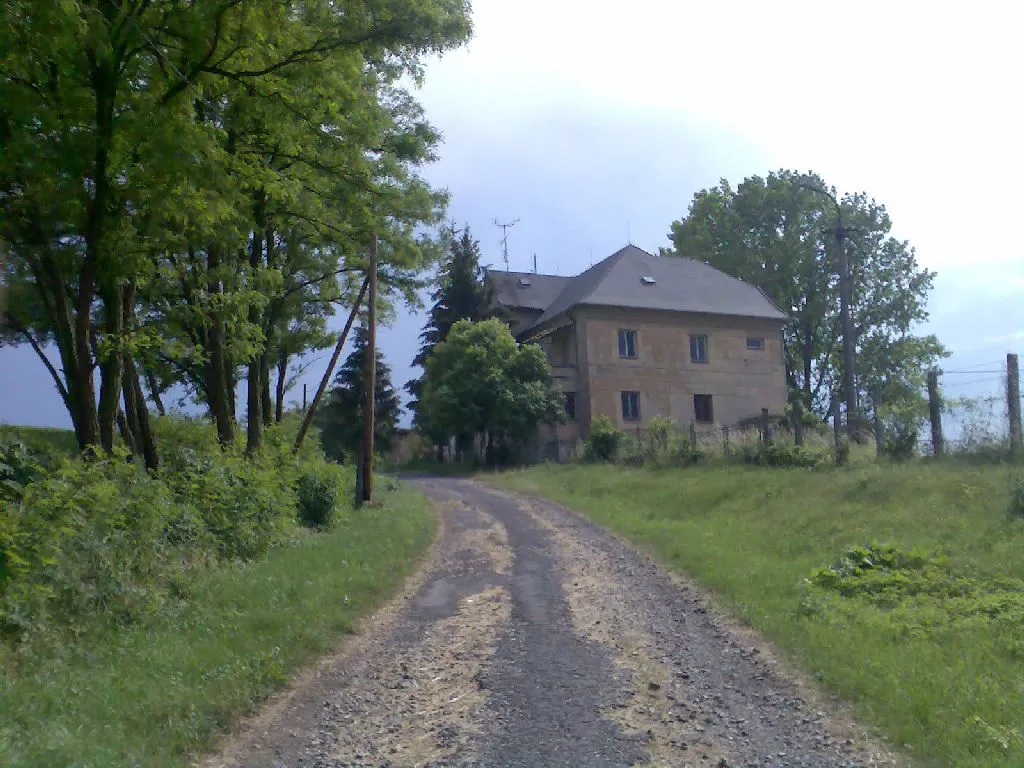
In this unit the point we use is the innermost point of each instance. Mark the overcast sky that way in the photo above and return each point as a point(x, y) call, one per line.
point(595, 129)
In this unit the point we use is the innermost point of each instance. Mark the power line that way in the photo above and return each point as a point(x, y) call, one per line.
point(973, 368)
point(971, 373)
point(961, 384)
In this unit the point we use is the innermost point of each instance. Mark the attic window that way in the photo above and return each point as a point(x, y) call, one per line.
point(647, 280)
point(525, 282)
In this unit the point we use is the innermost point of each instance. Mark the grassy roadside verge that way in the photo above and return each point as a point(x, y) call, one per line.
point(932, 656)
point(153, 694)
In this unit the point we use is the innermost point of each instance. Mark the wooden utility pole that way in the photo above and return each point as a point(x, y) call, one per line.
point(307, 420)
point(1013, 403)
point(369, 378)
point(842, 260)
point(935, 413)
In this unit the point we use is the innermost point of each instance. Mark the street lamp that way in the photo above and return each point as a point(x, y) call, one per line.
point(849, 391)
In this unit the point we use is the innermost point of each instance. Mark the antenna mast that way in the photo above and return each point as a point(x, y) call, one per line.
point(504, 237)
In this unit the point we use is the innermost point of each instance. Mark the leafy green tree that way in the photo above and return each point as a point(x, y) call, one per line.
point(778, 235)
point(462, 293)
point(341, 417)
point(480, 381)
point(159, 161)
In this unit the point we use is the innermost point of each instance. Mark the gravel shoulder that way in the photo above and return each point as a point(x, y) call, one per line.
point(535, 638)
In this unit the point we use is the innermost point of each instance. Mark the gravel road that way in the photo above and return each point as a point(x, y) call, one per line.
point(534, 638)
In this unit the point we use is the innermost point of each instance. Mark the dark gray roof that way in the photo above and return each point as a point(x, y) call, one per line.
point(633, 278)
point(538, 295)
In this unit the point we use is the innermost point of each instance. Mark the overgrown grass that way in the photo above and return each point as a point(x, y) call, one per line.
point(940, 670)
point(152, 694)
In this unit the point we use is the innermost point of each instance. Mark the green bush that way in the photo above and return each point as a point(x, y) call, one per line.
point(605, 438)
point(91, 538)
point(317, 493)
point(902, 428)
point(247, 505)
point(20, 464)
point(100, 537)
point(783, 455)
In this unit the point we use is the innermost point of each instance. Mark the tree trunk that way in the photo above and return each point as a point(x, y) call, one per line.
point(144, 437)
point(282, 372)
point(81, 387)
point(254, 390)
point(265, 401)
point(136, 413)
point(220, 399)
point(110, 365)
point(154, 393)
point(126, 431)
point(253, 408)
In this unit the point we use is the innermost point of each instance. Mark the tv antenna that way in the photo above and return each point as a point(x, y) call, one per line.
point(504, 237)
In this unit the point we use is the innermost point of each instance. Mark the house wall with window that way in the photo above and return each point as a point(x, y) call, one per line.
point(703, 368)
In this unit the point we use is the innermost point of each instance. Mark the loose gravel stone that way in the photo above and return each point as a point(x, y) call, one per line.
point(535, 638)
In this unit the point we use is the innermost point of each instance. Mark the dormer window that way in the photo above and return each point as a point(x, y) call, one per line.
point(647, 280)
point(525, 282)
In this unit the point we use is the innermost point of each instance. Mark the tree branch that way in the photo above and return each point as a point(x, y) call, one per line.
point(320, 279)
point(13, 322)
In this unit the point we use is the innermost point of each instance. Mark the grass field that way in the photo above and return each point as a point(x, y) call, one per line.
point(151, 695)
point(932, 651)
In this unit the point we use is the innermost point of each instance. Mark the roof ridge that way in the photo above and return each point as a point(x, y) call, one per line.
point(586, 282)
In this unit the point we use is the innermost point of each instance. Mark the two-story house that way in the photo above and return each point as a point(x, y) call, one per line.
point(638, 336)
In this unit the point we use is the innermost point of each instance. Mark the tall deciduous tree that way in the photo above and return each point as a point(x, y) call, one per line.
point(776, 234)
point(462, 293)
point(341, 417)
point(157, 160)
point(480, 381)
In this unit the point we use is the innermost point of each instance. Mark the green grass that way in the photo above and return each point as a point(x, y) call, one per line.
point(152, 695)
point(953, 691)
point(61, 440)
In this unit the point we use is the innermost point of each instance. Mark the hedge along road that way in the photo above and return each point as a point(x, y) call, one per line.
point(535, 638)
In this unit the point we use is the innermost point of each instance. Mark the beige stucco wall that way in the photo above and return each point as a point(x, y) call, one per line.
point(740, 381)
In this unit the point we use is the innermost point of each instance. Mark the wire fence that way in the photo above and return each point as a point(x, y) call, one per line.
point(973, 423)
point(960, 422)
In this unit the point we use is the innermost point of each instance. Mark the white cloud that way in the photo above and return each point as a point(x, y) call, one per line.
point(911, 102)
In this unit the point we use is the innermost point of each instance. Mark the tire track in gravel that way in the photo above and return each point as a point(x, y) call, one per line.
point(534, 638)
point(703, 691)
point(404, 692)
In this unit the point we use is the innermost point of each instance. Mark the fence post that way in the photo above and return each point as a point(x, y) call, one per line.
point(693, 436)
point(1013, 403)
point(837, 433)
point(725, 441)
point(935, 412)
point(879, 426)
point(766, 432)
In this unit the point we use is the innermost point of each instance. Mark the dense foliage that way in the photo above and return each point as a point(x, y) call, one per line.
point(779, 235)
point(187, 191)
point(479, 381)
point(105, 538)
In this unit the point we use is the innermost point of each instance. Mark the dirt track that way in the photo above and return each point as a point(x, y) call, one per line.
point(534, 638)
